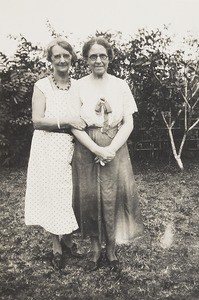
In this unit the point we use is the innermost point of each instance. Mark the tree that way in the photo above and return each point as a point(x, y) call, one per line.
point(189, 88)
point(164, 86)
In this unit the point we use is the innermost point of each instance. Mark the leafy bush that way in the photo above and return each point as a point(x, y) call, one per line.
point(17, 80)
point(155, 73)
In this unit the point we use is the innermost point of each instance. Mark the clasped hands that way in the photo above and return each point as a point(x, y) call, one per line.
point(104, 155)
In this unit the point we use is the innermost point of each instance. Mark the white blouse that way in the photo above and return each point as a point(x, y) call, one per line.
point(114, 90)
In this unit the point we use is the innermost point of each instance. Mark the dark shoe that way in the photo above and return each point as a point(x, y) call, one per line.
point(71, 250)
point(114, 265)
point(94, 265)
point(57, 261)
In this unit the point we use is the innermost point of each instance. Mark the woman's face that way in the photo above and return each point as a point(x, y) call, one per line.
point(98, 60)
point(61, 59)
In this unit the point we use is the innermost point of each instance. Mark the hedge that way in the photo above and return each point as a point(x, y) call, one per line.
point(154, 72)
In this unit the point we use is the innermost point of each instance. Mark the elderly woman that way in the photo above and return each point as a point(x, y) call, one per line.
point(105, 197)
point(48, 200)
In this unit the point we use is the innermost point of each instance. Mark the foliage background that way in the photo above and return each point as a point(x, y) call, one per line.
point(154, 70)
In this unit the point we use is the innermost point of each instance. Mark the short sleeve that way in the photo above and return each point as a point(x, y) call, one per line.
point(41, 84)
point(129, 103)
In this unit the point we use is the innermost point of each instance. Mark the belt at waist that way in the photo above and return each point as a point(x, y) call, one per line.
point(111, 131)
point(67, 131)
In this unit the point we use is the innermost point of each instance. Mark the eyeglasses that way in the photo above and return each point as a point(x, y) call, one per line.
point(94, 57)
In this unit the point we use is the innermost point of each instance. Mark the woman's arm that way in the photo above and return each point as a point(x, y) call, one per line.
point(106, 153)
point(120, 138)
point(103, 153)
point(42, 123)
point(123, 133)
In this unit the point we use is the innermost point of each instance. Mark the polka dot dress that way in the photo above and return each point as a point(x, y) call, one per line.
point(48, 200)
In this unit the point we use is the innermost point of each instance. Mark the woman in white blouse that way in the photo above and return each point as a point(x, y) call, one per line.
point(105, 198)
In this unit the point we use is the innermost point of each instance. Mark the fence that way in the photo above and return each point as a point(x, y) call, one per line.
point(157, 144)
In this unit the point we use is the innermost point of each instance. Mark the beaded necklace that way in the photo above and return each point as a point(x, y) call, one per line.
point(60, 88)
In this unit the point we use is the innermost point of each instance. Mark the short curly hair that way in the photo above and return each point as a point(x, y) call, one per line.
point(62, 42)
point(100, 41)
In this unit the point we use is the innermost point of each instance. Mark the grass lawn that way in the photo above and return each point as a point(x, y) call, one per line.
point(162, 264)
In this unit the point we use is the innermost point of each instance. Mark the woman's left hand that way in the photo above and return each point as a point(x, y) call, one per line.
point(99, 160)
point(103, 161)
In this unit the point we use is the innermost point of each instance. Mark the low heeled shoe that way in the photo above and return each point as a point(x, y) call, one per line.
point(72, 251)
point(94, 265)
point(114, 265)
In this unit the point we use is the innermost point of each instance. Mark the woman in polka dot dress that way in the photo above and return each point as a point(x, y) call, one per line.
point(48, 200)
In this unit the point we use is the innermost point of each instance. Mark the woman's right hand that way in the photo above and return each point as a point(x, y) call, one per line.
point(105, 153)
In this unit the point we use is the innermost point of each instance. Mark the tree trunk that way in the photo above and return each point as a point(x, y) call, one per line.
point(179, 162)
point(176, 155)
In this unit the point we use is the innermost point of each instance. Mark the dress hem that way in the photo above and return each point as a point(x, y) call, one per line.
point(51, 231)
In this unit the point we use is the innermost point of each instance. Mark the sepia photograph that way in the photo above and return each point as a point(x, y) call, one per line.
point(99, 150)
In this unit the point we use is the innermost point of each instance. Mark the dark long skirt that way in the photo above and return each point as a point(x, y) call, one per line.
point(105, 198)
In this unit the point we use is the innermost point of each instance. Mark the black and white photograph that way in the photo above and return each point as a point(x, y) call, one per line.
point(99, 149)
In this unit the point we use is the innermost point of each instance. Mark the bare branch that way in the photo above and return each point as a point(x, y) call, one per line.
point(185, 117)
point(193, 106)
point(165, 121)
point(194, 124)
point(185, 99)
point(179, 112)
point(196, 90)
